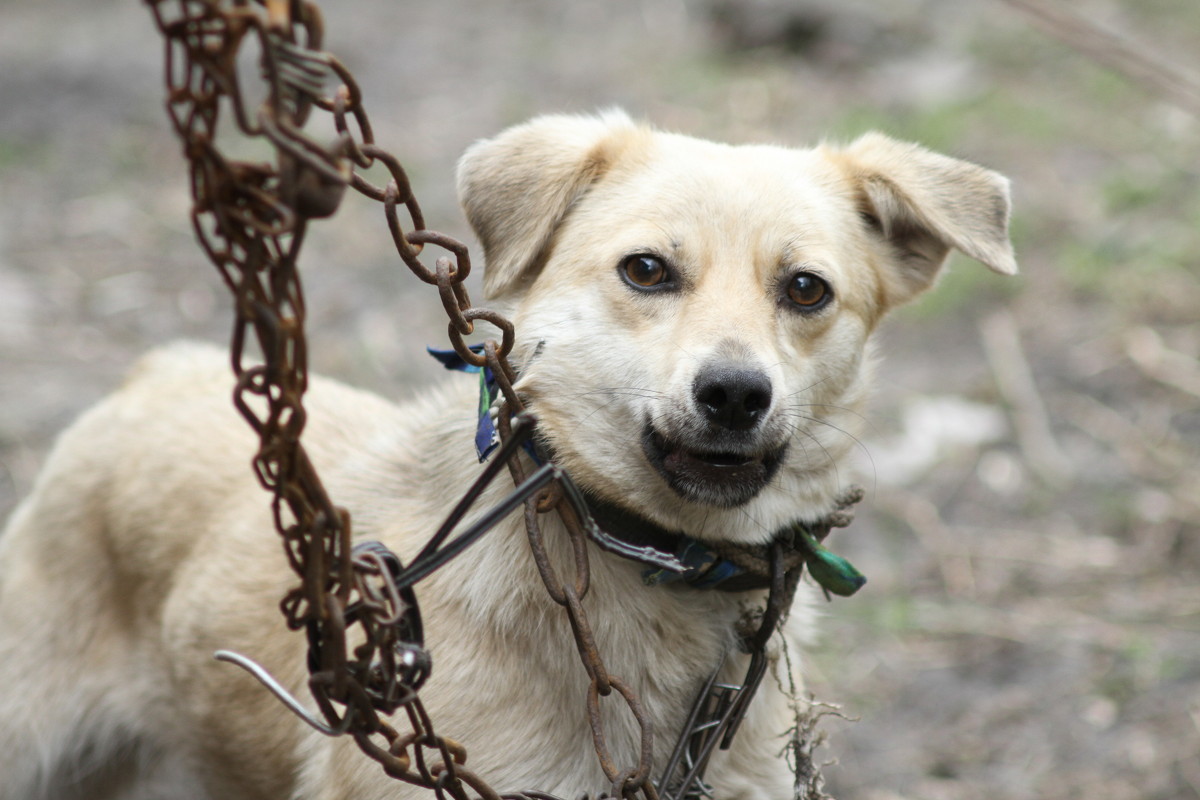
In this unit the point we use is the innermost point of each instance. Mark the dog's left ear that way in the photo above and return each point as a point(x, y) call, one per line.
point(517, 187)
point(921, 204)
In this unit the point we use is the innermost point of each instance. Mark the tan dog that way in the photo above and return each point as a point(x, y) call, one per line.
point(693, 323)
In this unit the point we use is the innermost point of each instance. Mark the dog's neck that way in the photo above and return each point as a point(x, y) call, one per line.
point(725, 566)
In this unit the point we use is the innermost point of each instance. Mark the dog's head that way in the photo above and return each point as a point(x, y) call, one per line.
point(693, 318)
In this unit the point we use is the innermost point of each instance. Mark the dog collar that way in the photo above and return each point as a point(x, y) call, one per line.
point(737, 568)
point(704, 567)
point(672, 556)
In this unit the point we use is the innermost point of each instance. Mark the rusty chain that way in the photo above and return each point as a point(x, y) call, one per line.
point(250, 219)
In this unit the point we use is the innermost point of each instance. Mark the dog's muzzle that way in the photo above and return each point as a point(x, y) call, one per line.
point(720, 455)
point(718, 477)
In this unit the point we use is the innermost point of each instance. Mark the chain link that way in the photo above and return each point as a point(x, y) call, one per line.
point(250, 219)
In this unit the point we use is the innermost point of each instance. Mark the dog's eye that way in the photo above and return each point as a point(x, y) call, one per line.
point(808, 291)
point(645, 272)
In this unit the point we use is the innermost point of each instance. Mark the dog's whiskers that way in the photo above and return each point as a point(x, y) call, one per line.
point(632, 391)
point(796, 414)
point(834, 407)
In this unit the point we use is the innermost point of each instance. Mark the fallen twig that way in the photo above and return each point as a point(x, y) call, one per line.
point(1148, 352)
point(1116, 52)
point(804, 738)
point(950, 549)
point(1014, 379)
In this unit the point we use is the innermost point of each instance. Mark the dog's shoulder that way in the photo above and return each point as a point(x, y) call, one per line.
point(187, 373)
point(175, 372)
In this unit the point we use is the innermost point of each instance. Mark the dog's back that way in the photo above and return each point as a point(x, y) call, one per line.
point(82, 688)
point(97, 601)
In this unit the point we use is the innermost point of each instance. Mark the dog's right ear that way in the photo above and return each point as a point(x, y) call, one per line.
point(517, 187)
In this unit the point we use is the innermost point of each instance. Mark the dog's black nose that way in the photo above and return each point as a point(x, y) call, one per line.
point(734, 398)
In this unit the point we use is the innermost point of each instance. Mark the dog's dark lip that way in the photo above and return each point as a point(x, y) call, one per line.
point(679, 457)
point(719, 477)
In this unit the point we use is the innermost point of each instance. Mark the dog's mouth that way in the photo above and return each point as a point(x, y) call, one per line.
point(717, 477)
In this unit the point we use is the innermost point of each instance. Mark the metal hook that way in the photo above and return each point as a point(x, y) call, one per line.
point(283, 695)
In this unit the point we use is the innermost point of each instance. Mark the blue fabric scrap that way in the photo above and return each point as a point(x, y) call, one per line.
point(487, 438)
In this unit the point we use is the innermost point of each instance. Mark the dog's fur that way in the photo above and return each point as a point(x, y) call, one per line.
point(147, 544)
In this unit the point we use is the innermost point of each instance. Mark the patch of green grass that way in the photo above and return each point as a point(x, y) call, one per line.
point(893, 613)
point(964, 288)
point(1086, 265)
point(699, 79)
point(27, 152)
point(1131, 192)
point(1137, 664)
point(936, 128)
point(1126, 263)
point(1155, 188)
point(1014, 115)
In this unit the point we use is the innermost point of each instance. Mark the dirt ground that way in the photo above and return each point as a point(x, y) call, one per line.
point(1031, 628)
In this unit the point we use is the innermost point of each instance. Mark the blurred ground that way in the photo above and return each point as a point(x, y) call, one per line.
point(1032, 625)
